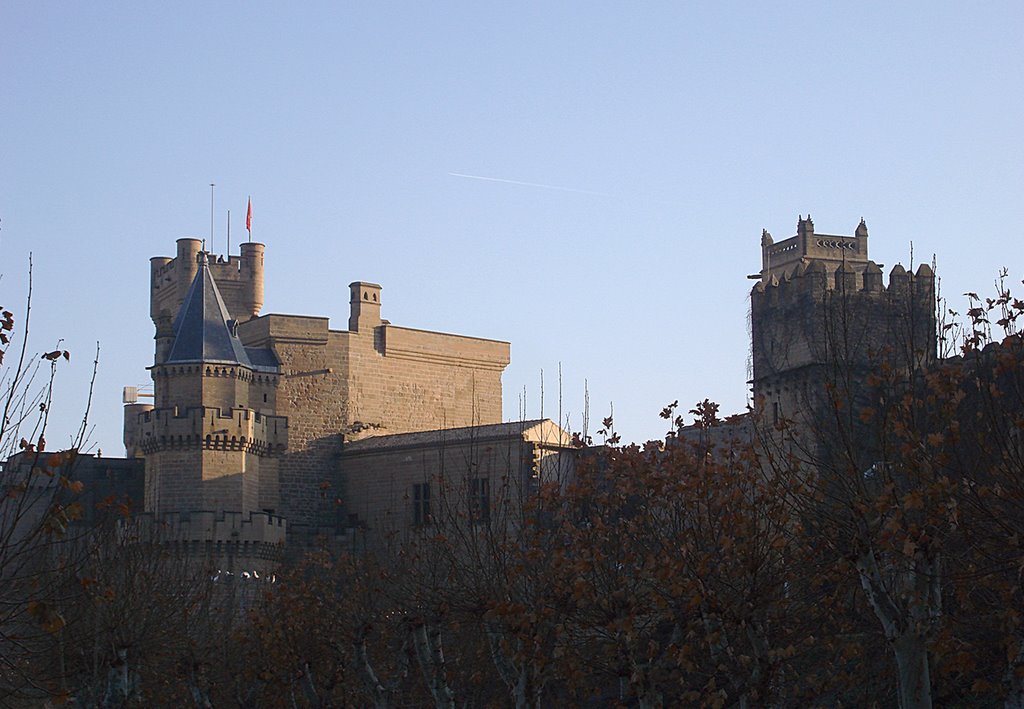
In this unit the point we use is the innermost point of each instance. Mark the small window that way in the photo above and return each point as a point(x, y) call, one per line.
point(480, 499)
point(421, 504)
point(775, 412)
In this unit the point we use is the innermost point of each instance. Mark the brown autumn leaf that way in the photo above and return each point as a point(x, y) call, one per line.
point(50, 620)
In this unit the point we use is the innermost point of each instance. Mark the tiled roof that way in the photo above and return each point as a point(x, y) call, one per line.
point(203, 331)
point(542, 431)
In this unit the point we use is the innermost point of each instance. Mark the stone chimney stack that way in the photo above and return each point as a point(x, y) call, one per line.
point(364, 303)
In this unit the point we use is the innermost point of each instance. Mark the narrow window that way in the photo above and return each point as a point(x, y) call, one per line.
point(421, 504)
point(480, 499)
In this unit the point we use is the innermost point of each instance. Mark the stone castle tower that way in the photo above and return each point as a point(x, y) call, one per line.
point(821, 313)
point(211, 441)
point(251, 413)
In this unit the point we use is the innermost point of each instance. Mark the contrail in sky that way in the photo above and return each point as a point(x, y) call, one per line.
point(528, 184)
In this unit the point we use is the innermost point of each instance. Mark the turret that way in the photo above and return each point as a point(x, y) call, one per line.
point(899, 280)
point(861, 234)
point(804, 232)
point(872, 278)
point(766, 243)
point(846, 278)
point(252, 276)
point(186, 264)
point(132, 428)
point(816, 277)
point(159, 267)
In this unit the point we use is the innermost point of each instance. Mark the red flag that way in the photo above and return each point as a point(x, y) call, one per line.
point(248, 218)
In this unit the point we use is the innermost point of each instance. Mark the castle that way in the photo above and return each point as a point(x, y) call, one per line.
point(285, 423)
point(275, 428)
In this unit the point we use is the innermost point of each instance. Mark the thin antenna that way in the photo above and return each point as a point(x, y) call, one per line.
point(541, 393)
point(212, 185)
point(229, 236)
point(586, 408)
point(559, 393)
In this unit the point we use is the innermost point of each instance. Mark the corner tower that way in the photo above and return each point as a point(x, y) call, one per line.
point(212, 440)
point(821, 314)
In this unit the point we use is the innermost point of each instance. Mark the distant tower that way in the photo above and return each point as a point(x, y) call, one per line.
point(821, 316)
point(211, 441)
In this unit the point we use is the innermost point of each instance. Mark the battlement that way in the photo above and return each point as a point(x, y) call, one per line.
point(215, 370)
point(210, 429)
point(813, 280)
point(248, 545)
point(239, 278)
point(216, 527)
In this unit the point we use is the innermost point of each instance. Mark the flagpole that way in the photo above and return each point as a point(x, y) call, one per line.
point(229, 236)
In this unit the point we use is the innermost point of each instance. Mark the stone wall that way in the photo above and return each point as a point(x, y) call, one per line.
point(819, 335)
point(380, 473)
point(377, 378)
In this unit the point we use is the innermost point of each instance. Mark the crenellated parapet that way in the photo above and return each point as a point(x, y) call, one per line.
point(812, 280)
point(205, 428)
point(216, 370)
point(217, 526)
point(246, 545)
point(240, 279)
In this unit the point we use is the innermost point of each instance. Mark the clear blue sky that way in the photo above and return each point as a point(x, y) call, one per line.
point(679, 131)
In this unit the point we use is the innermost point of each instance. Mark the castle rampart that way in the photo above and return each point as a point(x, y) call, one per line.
point(235, 542)
point(242, 429)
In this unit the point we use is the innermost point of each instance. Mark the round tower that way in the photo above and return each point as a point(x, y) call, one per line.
point(186, 264)
point(133, 428)
point(252, 273)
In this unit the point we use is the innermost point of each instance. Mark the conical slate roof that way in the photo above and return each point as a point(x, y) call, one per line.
point(203, 331)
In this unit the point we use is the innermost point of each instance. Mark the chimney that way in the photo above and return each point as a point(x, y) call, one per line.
point(364, 304)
